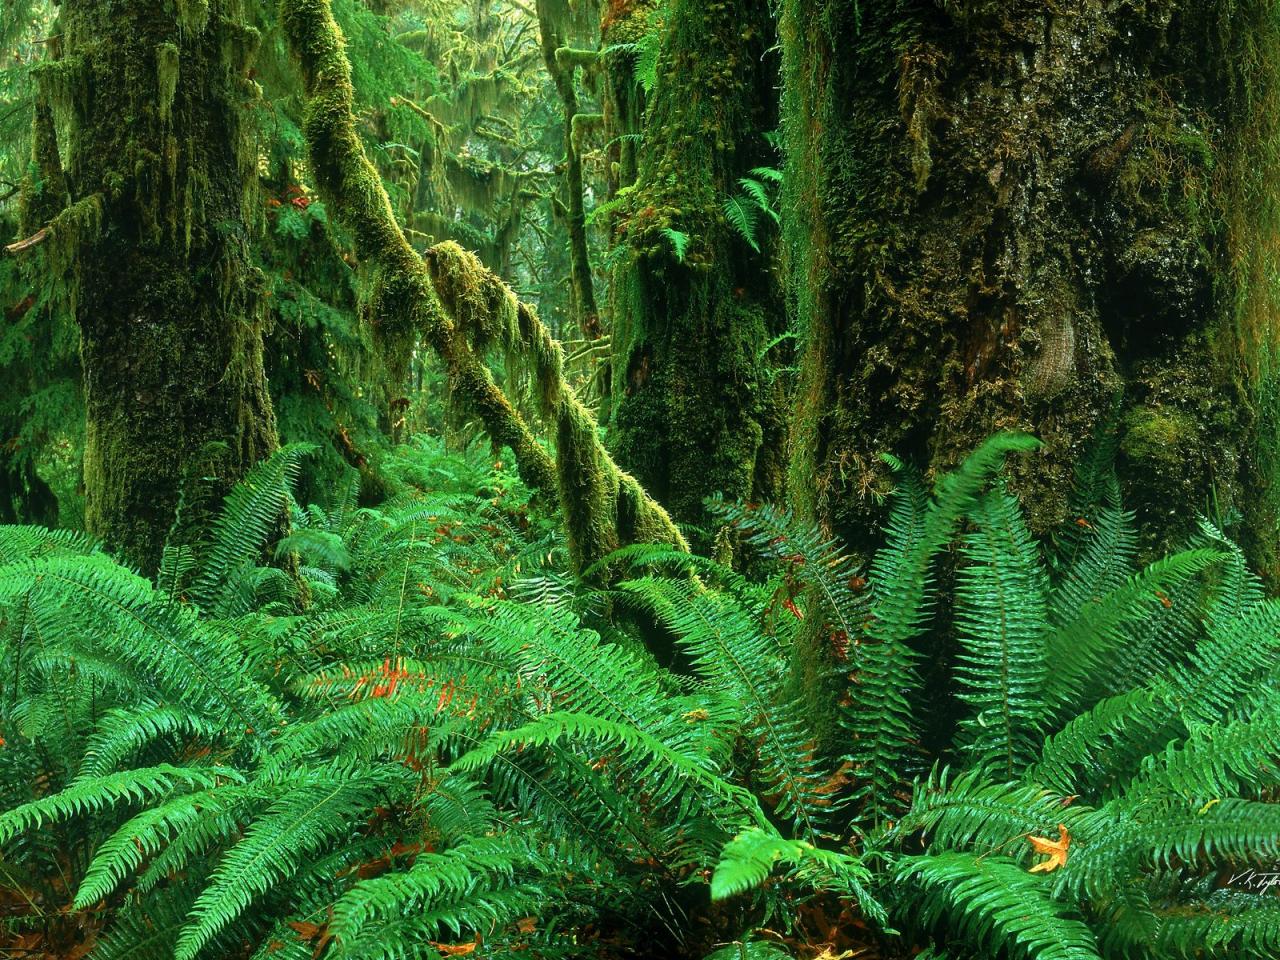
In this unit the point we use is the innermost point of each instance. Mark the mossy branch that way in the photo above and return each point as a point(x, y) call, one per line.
point(461, 309)
point(403, 304)
point(570, 58)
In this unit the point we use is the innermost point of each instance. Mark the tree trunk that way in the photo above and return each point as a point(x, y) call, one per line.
point(1043, 217)
point(562, 65)
point(695, 305)
point(167, 295)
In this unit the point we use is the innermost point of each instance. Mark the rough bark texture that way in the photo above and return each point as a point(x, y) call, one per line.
point(156, 241)
point(690, 326)
point(1035, 216)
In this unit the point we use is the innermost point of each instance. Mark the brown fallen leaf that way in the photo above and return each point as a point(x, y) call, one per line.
point(1056, 850)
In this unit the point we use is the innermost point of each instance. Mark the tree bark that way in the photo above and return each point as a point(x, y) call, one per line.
point(1042, 217)
point(562, 69)
point(691, 324)
point(167, 296)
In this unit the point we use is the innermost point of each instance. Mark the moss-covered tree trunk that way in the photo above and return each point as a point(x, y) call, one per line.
point(1049, 217)
point(152, 96)
point(695, 304)
point(562, 65)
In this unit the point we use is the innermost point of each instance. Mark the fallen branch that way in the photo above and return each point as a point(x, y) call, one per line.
point(37, 238)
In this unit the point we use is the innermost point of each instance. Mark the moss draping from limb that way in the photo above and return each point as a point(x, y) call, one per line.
point(562, 65)
point(154, 255)
point(403, 304)
point(461, 309)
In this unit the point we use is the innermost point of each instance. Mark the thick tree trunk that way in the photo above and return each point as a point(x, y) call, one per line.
point(695, 305)
point(167, 295)
point(1041, 217)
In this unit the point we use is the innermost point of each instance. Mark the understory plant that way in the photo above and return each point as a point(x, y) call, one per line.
point(408, 731)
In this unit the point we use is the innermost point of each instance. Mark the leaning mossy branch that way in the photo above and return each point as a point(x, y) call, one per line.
point(604, 507)
point(79, 223)
point(403, 302)
point(570, 58)
point(461, 309)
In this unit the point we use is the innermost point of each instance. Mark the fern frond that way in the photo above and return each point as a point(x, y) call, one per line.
point(669, 775)
point(160, 640)
point(679, 242)
point(253, 507)
point(145, 834)
point(749, 858)
point(995, 905)
point(811, 558)
point(124, 731)
point(101, 793)
point(733, 655)
point(433, 878)
point(22, 542)
point(316, 809)
point(1080, 649)
point(743, 216)
point(1002, 619)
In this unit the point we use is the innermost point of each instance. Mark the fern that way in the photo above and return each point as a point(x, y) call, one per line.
point(679, 242)
point(743, 215)
point(749, 859)
point(98, 793)
point(1001, 593)
point(254, 506)
point(995, 905)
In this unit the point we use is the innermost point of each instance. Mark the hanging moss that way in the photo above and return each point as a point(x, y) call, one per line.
point(155, 246)
point(562, 65)
point(461, 309)
point(690, 325)
point(44, 188)
point(167, 69)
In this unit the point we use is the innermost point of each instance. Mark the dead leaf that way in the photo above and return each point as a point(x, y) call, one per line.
point(455, 949)
point(1056, 850)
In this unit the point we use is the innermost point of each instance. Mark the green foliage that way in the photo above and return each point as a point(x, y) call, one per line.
point(755, 197)
point(679, 241)
point(418, 731)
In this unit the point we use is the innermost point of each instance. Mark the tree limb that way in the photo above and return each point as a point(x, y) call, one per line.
point(449, 300)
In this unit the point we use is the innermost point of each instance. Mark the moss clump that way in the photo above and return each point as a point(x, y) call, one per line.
point(1158, 437)
point(168, 60)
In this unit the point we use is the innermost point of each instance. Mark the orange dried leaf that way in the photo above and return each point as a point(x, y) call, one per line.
point(306, 931)
point(455, 949)
point(1056, 850)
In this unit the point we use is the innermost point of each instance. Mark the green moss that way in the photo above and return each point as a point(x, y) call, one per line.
point(689, 330)
point(460, 309)
point(1006, 232)
point(167, 70)
point(1158, 438)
